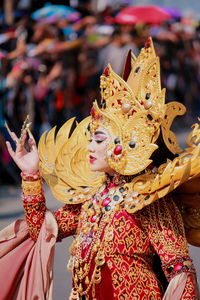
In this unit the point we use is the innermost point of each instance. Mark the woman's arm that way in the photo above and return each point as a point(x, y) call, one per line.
point(33, 195)
point(33, 202)
point(35, 208)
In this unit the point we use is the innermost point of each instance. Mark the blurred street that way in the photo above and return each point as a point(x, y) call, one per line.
point(11, 209)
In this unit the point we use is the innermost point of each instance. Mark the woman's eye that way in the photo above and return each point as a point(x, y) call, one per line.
point(99, 141)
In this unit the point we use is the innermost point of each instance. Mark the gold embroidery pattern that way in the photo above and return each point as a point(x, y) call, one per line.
point(165, 229)
point(132, 280)
point(160, 223)
point(164, 224)
point(34, 211)
point(128, 237)
point(190, 292)
point(67, 218)
point(129, 256)
point(32, 188)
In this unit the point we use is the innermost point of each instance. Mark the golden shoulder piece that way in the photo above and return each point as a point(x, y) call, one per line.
point(180, 176)
point(64, 163)
point(133, 110)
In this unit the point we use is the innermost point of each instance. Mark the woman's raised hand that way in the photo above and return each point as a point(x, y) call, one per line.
point(28, 162)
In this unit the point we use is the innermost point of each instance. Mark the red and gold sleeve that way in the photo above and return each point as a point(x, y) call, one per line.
point(67, 218)
point(34, 206)
point(167, 236)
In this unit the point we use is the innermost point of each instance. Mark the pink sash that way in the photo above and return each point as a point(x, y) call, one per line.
point(26, 267)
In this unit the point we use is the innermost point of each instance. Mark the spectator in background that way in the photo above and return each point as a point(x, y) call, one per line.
point(115, 51)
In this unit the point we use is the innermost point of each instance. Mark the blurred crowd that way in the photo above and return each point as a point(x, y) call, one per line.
point(50, 67)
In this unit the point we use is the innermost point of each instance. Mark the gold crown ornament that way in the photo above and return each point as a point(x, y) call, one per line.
point(133, 110)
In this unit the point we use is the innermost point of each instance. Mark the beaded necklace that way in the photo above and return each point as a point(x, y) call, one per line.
point(96, 216)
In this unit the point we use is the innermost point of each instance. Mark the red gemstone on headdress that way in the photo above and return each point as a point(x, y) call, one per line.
point(105, 202)
point(111, 185)
point(106, 71)
point(92, 112)
point(133, 111)
point(118, 150)
point(178, 267)
point(119, 101)
point(104, 192)
point(93, 218)
point(147, 45)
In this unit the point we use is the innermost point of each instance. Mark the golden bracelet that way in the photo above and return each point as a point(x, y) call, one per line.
point(32, 188)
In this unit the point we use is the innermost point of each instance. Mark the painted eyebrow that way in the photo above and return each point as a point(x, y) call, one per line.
point(99, 132)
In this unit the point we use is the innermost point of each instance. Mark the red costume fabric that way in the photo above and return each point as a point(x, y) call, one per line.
point(129, 255)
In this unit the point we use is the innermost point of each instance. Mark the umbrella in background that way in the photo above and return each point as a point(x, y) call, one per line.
point(147, 14)
point(50, 10)
point(174, 12)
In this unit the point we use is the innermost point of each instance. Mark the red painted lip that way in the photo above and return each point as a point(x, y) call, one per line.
point(92, 159)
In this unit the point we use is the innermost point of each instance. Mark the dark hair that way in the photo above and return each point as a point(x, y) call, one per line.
point(161, 154)
point(116, 32)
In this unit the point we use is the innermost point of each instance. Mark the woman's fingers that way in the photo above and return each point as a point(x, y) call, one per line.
point(14, 137)
point(32, 144)
point(10, 150)
point(27, 161)
point(19, 145)
point(23, 137)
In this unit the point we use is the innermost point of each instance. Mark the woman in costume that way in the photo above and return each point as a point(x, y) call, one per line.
point(121, 198)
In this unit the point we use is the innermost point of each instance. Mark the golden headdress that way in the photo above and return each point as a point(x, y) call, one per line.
point(134, 112)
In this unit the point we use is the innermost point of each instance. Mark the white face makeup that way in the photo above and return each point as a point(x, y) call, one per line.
point(99, 142)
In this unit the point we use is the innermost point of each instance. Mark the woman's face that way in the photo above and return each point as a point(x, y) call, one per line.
point(99, 142)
